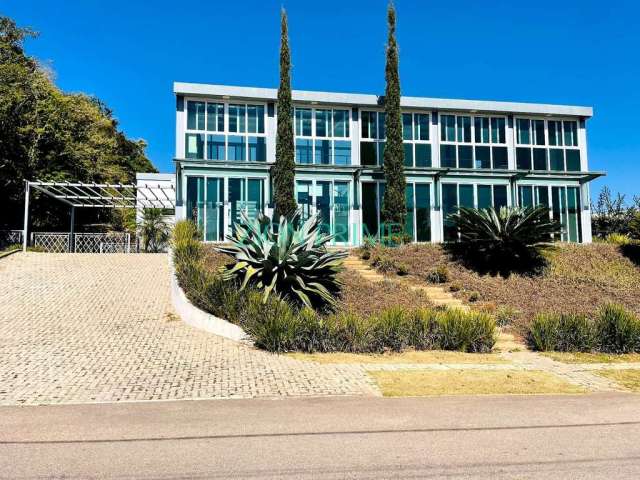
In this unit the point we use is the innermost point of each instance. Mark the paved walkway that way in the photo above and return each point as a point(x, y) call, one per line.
point(78, 328)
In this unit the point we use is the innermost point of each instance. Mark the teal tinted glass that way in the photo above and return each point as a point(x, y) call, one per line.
point(556, 159)
point(407, 126)
point(215, 147)
point(483, 157)
point(542, 195)
point(408, 154)
point(481, 125)
point(303, 122)
point(213, 231)
point(484, 196)
point(538, 132)
point(423, 155)
point(323, 204)
point(523, 158)
point(255, 201)
point(323, 123)
point(465, 156)
point(236, 196)
point(558, 209)
point(500, 160)
point(194, 145)
point(257, 149)
point(323, 152)
point(341, 211)
point(449, 205)
point(255, 118)
point(499, 196)
point(303, 197)
point(368, 123)
point(215, 117)
point(304, 151)
point(342, 152)
point(448, 128)
point(341, 123)
point(523, 127)
point(237, 114)
point(466, 196)
point(423, 212)
point(448, 156)
point(367, 153)
point(408, 225)
point(526, 196)
point(555, 132)
point(573, 214)
point(573, 160)
point(195, 200)
point(195, 115)
point(382, 126)
point(540, 159)
point(236, 148)
point(571, 133)
point(498, 134)
point(381, 152)
point(464, 129)
point(421, 126)
point(369, 210)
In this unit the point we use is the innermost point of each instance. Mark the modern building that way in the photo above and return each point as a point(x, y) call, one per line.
point(457, 153)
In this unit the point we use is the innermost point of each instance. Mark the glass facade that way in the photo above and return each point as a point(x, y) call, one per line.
point(547, 145)
point(477, 142)
point(332, 200)
point(243, 139)
point(322, 136)
point(564, 205)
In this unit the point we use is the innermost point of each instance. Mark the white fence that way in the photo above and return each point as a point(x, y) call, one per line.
point(114, 242)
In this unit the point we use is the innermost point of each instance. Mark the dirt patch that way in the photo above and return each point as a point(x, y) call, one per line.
point(578, 278)
point(422, 357)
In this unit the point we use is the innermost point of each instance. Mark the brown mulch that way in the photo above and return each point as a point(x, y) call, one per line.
point(577, 278)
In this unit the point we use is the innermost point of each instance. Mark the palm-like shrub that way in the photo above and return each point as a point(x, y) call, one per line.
point(292, 262)
point(505, 239)
point(155, 230)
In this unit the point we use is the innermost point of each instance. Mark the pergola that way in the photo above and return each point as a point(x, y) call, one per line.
point(101, 195)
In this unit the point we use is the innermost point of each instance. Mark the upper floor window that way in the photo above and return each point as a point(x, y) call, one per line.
point(547, 145)
point(415, 134)
point(473, 141)
point(322, 136)
point(239, 131)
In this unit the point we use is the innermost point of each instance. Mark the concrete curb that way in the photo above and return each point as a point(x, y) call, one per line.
point(192, 315)
point(10, 252)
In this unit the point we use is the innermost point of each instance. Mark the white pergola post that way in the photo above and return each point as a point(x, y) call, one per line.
point(26, 216)
point(72, 230)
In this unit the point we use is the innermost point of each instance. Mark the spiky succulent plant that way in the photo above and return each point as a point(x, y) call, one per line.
point(292, 262)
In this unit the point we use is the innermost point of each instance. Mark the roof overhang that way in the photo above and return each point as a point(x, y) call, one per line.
point(366, 100)
point(108, 195)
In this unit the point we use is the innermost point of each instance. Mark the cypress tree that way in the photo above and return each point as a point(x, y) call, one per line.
point(394, 210)
point(284, 168)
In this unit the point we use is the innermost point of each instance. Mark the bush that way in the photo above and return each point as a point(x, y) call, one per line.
point(455, 287)
point(466, 331)
point(617, 330)
point(618, 239)
point(365, 255)
point(474, 296)
point(561, 332)
point(403, 269)
point(438, 275)
point(384, 263)
point(505, 316)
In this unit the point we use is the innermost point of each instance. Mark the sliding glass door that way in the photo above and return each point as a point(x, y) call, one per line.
point(563, 203)
point(331, 199)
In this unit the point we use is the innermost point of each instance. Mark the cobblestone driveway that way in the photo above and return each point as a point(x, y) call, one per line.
point(98, 328)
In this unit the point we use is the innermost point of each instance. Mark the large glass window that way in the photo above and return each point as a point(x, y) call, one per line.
point(331, 199)
point(473, 142)
point(230, 141)
point(547, 145)
point(322, 136)
point(418, 221)
point(564, 205)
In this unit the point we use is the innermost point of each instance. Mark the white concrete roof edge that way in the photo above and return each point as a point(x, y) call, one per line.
point(270, 94)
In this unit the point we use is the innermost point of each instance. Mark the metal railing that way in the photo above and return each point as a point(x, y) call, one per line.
point(10, 237)
point(56, 242)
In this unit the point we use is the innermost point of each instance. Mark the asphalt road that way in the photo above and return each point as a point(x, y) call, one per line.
point(593, 436)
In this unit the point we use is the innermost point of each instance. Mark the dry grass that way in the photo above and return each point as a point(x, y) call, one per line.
point(428, 356)
point(214, 260)
point(578, 278)
point(470, 382)
point(579, 357)
point(365, 297)
point(629, 379)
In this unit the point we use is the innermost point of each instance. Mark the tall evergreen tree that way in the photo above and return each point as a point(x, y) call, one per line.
point(284, 168)
point(394, 210)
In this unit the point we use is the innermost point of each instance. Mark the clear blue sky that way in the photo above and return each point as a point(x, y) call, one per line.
point(128, 53)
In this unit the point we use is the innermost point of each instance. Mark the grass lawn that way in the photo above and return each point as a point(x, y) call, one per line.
point(629, 379)
point(470, 382)
point(579, 357)
point(577, 278)
point(426, 356)
point(359, 295)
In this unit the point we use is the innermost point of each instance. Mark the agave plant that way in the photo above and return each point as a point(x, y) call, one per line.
point(509, 237)
point(292, 262)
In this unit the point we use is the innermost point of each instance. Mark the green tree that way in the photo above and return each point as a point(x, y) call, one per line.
point(284, 167)
point(49, 135)
point(394, 209)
